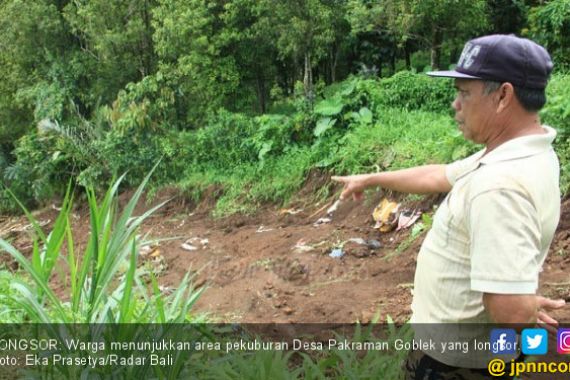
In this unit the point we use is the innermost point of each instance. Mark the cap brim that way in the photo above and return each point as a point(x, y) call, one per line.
point(451, 74)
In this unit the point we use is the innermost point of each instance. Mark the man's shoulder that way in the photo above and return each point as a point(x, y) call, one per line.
point(497, 177)
point(526, 176)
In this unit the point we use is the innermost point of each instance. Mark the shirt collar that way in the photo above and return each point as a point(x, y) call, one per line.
point(520, 147)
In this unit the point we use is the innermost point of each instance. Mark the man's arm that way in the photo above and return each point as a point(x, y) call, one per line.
point(522, 309)
point(418, 180)
point(511, 308)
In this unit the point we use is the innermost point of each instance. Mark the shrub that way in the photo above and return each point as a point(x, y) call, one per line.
point(556, 112)
point(132, 153)
point(550, 26)
point(416, 92)
point(346, 104)
point(147, 105)
point(222, 142)
point(40, 168)
point(401, 140)
point(563, 150)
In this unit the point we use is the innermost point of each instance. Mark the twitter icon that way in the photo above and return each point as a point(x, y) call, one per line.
point(534, 341)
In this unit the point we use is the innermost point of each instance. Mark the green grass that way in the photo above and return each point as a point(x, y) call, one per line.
point(396, 138)
point(391, 143)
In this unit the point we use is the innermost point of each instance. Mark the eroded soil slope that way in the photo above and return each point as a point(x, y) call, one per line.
point(276, 266)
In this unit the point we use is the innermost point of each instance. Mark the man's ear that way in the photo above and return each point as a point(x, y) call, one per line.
point(506, 96)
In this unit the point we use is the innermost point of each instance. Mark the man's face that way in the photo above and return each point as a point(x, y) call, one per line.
point(474, 110)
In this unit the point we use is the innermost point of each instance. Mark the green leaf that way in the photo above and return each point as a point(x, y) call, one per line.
point(417, 229)
point(265, 148)
point(329, 107)
point(323, 125)
point(348, 89)
point(365, 115)
point(127, 308)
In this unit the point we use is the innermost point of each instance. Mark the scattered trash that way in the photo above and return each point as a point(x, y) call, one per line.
point(322, 221)
point(195, 243)
point(373, 244)
point(407, 218)
point(188, 247)
point(385, 215)
point(290, 211)
point(302, 246)
point(358, 241)
point(336, 253)
point(166, 289)
point(151, 261)
point(330, 212)
point(145, 250)
point(333, 208)
point(263, 229)
point(197, 240)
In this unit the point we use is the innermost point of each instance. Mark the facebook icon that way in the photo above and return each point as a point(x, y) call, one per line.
point(503, 341)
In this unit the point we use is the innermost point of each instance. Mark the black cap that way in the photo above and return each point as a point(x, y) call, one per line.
point(503, 58)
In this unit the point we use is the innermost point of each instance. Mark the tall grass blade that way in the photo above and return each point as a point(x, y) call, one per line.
point(126, 308)
point(37, 277)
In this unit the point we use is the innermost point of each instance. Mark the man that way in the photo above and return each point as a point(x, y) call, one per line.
point(480, 261)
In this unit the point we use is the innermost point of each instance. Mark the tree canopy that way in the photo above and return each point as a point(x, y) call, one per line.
point(128, 69)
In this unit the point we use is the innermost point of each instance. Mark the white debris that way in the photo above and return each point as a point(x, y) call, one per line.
point(302, 246)
point(188, 247)
point(359, 241)
point(290, 211)
point(322, 221)
point(333, 208)
point(263, 229)
point(195, 243)
point(197, 240)
point(145, 250)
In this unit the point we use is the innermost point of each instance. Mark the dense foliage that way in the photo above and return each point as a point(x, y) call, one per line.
point(239, 99)
point(223, 92)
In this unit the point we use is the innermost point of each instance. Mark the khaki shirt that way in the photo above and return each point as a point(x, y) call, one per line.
point(492, 232)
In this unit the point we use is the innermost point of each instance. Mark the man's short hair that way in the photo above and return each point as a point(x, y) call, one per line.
point(531, 99)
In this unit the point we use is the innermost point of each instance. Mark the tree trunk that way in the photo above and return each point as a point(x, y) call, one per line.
point(436, 40)
point(261, 98)
point(407, 56)
point(333, 57)
point(308, 77)
point(146, 43)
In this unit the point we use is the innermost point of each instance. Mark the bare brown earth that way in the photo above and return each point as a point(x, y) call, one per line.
point(252, 273)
